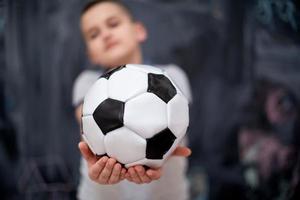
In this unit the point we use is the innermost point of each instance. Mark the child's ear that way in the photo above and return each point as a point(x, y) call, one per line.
point(141, 31)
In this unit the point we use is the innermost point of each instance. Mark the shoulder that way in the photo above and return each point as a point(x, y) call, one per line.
point(82, 83)
point(171, 68)
point(180, 78)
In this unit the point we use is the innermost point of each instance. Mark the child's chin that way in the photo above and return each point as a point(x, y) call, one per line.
point(120, 56)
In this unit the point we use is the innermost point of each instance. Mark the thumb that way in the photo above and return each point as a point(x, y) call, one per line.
point(182, 151)
point(87, 153)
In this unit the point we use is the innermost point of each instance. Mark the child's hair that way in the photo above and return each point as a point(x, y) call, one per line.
point(92, 3)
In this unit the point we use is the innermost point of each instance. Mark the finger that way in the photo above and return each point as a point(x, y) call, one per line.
point(107, 170)
point(128, 177)
point(122, 174)
point(182, 151)
point(97, 168)
point(142, 174)
point(133, 174)
point(87, 153)
point(115, 175)
point(154, 174)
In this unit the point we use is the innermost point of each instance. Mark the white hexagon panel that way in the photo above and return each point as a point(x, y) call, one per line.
point(125, 145)
point(145, 68)
point(127, 83)
point(93, 135)
point(96, 94)
point(178, 115)
point(146, 115)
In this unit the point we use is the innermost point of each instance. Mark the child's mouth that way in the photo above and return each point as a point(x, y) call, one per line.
point(110, 45)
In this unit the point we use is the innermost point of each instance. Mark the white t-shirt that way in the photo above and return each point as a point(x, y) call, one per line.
point(172, 185)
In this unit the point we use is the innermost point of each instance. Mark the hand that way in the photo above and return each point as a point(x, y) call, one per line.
point(139, 175)
point(102, 170)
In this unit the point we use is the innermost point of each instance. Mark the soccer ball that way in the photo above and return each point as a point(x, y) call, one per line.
point(135, 114)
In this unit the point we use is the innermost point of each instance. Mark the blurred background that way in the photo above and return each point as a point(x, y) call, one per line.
point(243, 62)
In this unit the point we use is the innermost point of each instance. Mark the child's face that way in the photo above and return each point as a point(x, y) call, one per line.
point(112, 37)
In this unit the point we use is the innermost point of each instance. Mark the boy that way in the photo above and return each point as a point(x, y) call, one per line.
point(113, 38)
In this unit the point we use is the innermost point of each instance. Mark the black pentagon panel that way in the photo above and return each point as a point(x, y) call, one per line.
point(159, 144)
point(110, 72)
point(109, 115)
point(99, 156)
point(161, 86)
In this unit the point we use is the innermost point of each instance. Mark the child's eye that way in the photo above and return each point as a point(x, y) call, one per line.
point(93, 34)
point(113, 24)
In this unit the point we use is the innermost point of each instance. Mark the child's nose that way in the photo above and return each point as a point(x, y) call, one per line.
point(106, 35)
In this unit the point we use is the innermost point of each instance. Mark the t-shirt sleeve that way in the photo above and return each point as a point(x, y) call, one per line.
point(82, 84)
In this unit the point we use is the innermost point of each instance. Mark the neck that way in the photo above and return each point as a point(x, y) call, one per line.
point(134, 58)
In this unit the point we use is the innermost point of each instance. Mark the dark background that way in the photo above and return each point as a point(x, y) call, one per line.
point(224, 46)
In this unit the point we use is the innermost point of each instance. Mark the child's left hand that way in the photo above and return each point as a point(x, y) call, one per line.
point(139, 175)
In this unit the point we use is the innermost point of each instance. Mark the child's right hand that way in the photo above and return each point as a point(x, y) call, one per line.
point(102, 170)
